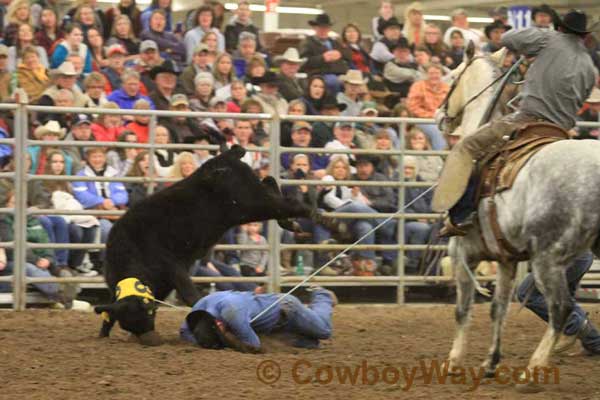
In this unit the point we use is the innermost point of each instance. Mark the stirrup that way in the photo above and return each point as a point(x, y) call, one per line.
point(450, 229)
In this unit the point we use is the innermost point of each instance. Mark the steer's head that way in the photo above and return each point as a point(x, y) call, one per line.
point(134, 310)
point(244, 197)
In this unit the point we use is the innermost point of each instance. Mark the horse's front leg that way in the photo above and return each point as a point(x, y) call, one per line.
point(504, 289)
point(552, 283)
point(464, 299)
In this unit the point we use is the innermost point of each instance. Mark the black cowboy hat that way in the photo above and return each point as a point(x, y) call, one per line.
point(402, 43)
point(496, 25)
point(321, 20)
point(331, 102)
point(205, 330)
point(543, 8)
point(269, 77)
point(575, 21)
point(362, 158)
point(389, 23)
point(167, 66)
point(197, 137)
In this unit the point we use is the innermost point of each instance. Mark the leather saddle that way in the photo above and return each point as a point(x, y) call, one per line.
point(499, 170)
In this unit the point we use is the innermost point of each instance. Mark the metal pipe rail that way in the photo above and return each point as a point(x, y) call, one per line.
point(20, 142)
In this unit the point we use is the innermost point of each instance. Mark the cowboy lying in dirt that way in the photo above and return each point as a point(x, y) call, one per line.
point(224, 319)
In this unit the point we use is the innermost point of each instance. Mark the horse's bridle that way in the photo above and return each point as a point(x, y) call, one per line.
point(448, 123)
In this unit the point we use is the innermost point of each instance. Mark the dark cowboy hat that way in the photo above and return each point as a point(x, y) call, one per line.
point(167, 66)
point(205, 330)
point(269, 77)
point(367, 158)
point(496, 25)
point(197, 137)
point(575, 21)
point(402, 43)
point(543, 8)
point(331, 102)
point(321, 20)
point(389, 23)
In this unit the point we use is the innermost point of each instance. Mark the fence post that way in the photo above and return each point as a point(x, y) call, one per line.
point(400, 224)
point(274, 234)
point(152, 153)
point(20, 209)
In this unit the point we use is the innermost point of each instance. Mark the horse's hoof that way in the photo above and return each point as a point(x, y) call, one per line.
point(454, 368)
point(490, 373)
point(529, 387)
point(150, 339)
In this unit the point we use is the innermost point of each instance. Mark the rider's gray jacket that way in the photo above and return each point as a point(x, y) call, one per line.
point(559, 80)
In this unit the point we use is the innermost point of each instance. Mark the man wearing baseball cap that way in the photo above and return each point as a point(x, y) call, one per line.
point(302, 137)
point(149, 58)
point(200, 63)
point(115, 55)
point(180, 127)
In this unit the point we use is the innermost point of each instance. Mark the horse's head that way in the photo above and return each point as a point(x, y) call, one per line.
point(467, 99)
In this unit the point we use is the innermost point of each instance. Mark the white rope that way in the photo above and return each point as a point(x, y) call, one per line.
point(341, 254)
point(171, 305)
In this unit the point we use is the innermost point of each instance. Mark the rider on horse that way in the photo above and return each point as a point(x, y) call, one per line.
point(557, 84)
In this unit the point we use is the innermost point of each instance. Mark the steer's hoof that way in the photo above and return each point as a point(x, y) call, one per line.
point(529, 387)
point(150, 339)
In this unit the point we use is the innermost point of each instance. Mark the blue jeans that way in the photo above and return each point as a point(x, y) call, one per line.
point(48, 289)
point(311, 322)
point(360, 227)
point(435, 136)
point(415, 232)
point(80, 234)
point(537, 304)
point(58, 232)
point(224, 270)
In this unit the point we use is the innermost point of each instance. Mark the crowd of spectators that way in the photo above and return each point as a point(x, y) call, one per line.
point(126, 57)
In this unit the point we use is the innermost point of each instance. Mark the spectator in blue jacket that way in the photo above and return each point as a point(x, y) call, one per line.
point(223, 319)
point(100, 195)
point(164, 5)
point(5, 149)
point(129, 92)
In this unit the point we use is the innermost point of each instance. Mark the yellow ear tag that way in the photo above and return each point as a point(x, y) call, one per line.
point(133, 287)
point(105, 316)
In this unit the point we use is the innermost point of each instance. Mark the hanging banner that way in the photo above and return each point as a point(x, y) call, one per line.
point(519, 17)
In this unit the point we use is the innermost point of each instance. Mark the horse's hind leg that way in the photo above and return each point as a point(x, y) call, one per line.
point(464, 299)
point(551, 281)
point(500, 304)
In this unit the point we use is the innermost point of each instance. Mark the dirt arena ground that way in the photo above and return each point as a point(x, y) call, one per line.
point(56, 355)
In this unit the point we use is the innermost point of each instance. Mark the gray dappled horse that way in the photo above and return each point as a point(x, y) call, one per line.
point(551, 212)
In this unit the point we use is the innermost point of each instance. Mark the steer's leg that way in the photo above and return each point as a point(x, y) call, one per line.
point(500, 303)
point(184, 286)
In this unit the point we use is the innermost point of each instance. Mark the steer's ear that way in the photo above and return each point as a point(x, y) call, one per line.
point(235, 152)
point(270, 183)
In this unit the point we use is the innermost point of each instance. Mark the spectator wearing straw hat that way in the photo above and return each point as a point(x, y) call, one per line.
point(354, 88)
point(290, 85)
point(50, 131)
point(224, 320)
point(130, 91)
point(64, 77)
point(325, 56)
point(494, 32)
point(199, 64)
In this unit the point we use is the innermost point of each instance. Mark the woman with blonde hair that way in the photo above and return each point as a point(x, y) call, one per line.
point(24, 39)
point(18, 13)
point(414, 24)
point(212, 41)
point(123, 34)
point(184, 166)
point(223, 71)
point(32, 75)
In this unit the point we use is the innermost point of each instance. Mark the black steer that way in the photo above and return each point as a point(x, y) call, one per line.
point(157, 240)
